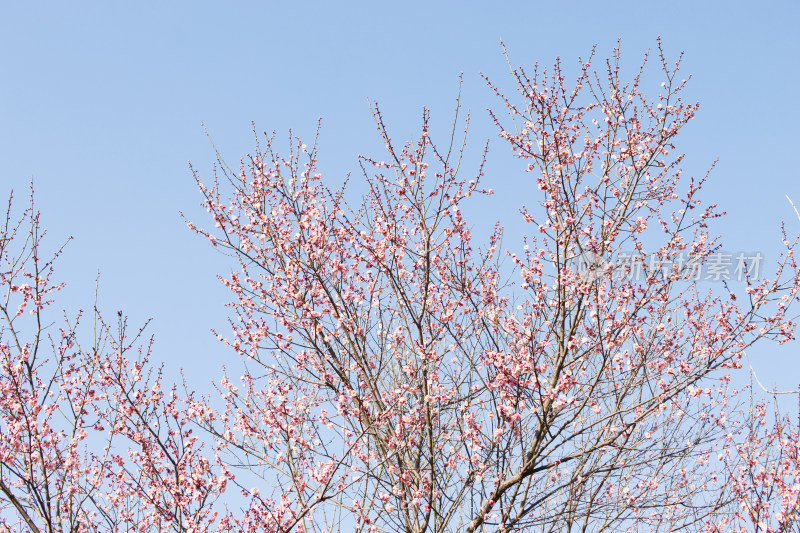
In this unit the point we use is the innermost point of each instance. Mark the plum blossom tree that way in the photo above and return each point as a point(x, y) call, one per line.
point(403, 376)
point(89, 441)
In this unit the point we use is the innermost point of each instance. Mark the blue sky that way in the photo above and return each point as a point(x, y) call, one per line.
point(101, 103)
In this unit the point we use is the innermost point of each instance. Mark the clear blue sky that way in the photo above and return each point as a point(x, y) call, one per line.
point(101, 103)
